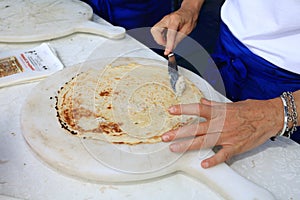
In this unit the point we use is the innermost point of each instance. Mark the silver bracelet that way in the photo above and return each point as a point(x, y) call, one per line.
point(292, 112)
point(285, 114)
point(290, 115)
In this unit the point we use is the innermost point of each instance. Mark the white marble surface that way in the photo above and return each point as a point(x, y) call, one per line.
point(274, 166)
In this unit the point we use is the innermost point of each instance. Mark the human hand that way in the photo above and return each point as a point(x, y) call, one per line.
point(174, 27)
point(236, 127)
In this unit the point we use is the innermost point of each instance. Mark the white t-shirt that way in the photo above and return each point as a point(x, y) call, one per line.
point(269, 28)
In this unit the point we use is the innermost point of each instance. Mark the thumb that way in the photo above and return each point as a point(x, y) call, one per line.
point(221, 156)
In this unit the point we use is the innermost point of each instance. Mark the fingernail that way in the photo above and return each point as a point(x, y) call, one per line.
point(174, 147)
point(172, 109)
point(205, 164)
point(165, 137)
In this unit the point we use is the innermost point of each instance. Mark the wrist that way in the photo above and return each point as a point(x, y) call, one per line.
point(278, 107)
point(297, 102)
point(290, 114)
point(193, 6)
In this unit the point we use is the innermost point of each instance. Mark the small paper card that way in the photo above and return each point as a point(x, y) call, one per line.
point(19, 67)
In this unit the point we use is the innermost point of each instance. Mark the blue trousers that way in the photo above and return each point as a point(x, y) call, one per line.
point(131, 14)
point(248, 76)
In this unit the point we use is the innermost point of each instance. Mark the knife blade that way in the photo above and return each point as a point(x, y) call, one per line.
point(173, 70)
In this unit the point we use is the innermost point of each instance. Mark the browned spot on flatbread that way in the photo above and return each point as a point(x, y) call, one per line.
point(110, 127)
point(106, 92)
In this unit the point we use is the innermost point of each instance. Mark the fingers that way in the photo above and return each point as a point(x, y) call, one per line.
point(171, 38)
point(170, 42)
point(166, 37)
point(191, 109)
point(194, 144)
point(158, 34)
point(185, 131)
point(165, 32)
point(221, 156)
point(203, 142)
point(205, 134)
point(163, 35)
point(200, 142)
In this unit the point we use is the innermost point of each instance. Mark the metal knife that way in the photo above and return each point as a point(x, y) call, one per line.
point(173, 70)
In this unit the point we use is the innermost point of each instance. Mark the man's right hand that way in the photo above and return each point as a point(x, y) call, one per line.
point(174, 27)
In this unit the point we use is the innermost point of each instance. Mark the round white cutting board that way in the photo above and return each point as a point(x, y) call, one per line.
point(37, 20)
point(98, 161)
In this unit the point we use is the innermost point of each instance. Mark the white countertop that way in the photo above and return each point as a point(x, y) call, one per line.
point(274, 166)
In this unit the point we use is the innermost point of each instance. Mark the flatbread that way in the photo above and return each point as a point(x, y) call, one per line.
point(125, 104)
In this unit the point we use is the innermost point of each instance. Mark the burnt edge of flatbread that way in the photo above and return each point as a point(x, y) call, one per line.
point(64, 125)
point(105, 128)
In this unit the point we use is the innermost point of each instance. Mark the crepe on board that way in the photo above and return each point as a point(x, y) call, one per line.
point(124, 104)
